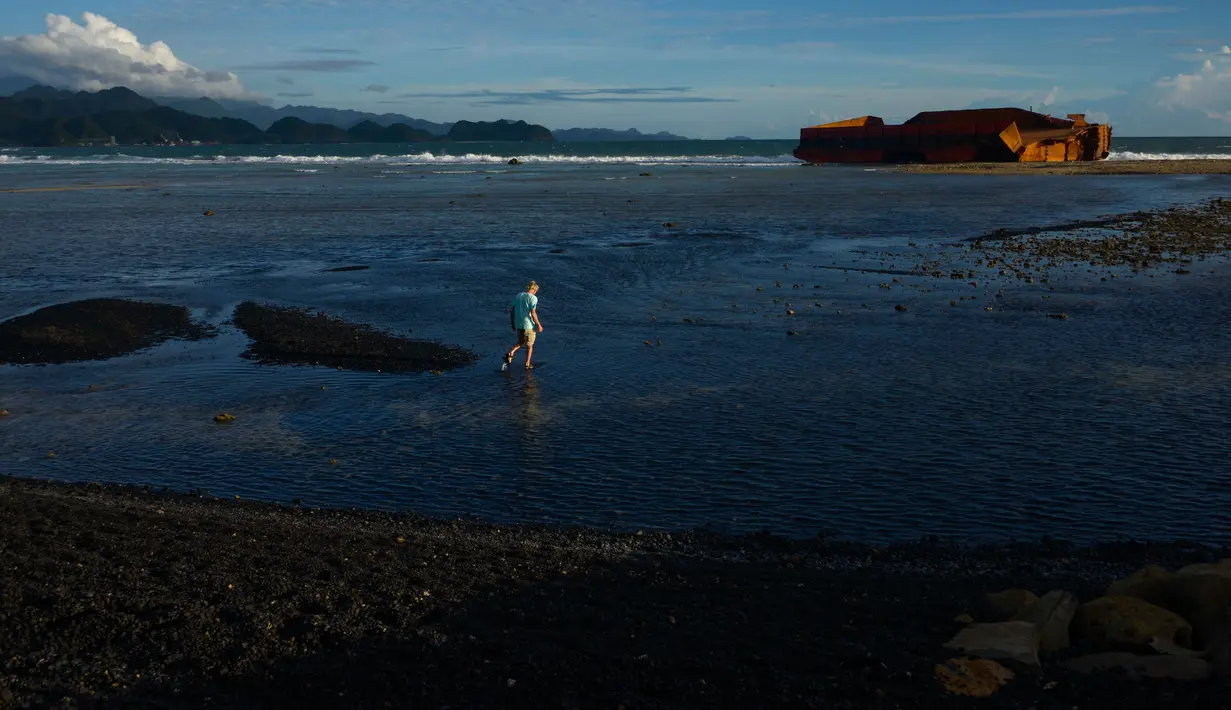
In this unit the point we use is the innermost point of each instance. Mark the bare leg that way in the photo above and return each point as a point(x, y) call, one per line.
point(516, 346)
point(529, 354)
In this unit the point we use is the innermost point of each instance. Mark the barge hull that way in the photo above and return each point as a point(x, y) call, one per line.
point(974, 135)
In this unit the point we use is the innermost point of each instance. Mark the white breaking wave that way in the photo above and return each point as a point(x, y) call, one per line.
point(1132, 155)
point(426, 159)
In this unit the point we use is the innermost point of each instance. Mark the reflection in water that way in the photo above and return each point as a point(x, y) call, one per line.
point(527, 415)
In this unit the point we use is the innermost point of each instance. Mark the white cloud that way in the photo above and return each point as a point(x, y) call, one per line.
point(1207, 90)
point(99, 54)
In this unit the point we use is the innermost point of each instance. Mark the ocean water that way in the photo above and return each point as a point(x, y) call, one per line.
point(671, 394)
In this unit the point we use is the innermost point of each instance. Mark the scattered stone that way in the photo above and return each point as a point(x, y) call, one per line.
point(1128, 620)
point(1058, 316)
point(964, 619)
point(978, 678)
point(900, 308)
point(1148, 583)
point(645, 174)
point(1010, 602)
point(1016, 641)
point(1168, 667)
point(224, 418)
point(670, 225)
point(94, 329)
point(1052, 613)
point(209, 213)
point(4, 413)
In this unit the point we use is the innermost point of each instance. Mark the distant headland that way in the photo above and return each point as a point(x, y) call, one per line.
point(44, 116)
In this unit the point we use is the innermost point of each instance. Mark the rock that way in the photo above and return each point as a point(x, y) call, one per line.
point(1219, 654)
point(1202, 594)
point(964, 619)
point(514, 161)
point(224, 418)
point(1010, 602)
point(1016, 641)
point(1052, 613)
point(209, 213)
point(1128, 620)
point(977, 678)
point(1169, 667)
point(1148, 583)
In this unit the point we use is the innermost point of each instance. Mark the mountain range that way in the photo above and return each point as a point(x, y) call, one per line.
point(264, 116)
point(43, 116)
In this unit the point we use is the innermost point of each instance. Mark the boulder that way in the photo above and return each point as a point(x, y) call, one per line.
point(1148, 583)
point(1129, 620)
point(1202, 594)
point(1169, 667)
point(1016, 641)
point(1219, 655)
point(1010, 602)
point(977, 678)
point(1052, 613)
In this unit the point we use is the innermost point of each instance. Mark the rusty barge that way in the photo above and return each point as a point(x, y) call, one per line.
point(972, 135)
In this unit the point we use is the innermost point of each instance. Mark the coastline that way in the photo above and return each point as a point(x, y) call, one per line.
point(1102, 167)
point(124, 596)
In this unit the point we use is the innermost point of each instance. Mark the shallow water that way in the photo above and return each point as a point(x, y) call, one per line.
point(869, 423)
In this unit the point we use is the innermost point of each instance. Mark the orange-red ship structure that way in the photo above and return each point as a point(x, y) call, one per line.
point(971, 135)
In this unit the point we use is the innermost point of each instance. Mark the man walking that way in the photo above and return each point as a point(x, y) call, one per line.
point(524, 317)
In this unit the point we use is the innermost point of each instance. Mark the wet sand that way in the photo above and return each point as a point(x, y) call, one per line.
point(1102, 167)
point(126, 597)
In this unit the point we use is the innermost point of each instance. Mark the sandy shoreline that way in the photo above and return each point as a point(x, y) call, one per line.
point(1102, 167)
point(122, 596)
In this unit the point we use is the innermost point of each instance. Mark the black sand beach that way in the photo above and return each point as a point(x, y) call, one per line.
point(122, 597)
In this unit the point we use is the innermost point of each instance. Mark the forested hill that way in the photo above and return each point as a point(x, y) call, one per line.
point(43, 116)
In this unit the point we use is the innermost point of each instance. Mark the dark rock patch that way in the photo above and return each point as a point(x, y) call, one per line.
point(632, 244)
point(94, 329)
point(294, 336)
point(356, 267)
point(123, 597)
point(556, 251)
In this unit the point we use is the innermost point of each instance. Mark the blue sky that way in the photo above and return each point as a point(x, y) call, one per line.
point(703, 69)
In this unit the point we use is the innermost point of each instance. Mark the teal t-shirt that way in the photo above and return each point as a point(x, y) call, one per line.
point(522, 304)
